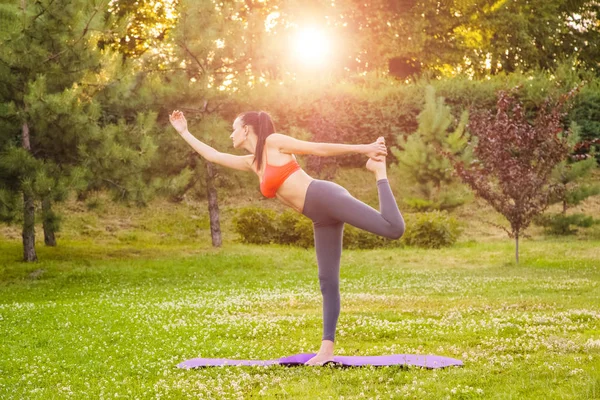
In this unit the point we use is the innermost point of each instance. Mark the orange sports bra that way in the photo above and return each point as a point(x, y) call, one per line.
point(274, 176)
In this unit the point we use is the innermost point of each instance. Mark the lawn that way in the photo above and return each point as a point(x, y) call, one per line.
point(112, 319)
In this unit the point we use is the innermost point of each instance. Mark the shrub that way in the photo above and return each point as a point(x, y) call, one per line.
point(560, 224)
point(431, 230)
point(355, 238)
point(286, 232)
point(260, 226)
point(304, 229)
point(255, 225)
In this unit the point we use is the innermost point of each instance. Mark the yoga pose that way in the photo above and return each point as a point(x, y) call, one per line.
point(326, 203)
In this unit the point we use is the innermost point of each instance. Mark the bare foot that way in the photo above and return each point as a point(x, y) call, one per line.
point(376, 166)
point(324, 354)
point(319, 359)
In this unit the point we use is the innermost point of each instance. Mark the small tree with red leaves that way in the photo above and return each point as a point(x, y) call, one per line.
point(513, 158)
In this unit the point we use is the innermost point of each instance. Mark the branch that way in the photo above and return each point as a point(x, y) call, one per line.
point(510, 234)
point(43, 10)
point(85, 30)
point(123, 190)
point(182, 44)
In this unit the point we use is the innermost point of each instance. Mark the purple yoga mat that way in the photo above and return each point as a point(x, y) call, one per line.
point(427, 361)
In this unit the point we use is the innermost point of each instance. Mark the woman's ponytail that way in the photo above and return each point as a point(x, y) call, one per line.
point(263, 126)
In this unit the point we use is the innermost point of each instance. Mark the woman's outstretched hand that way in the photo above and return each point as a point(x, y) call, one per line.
point(377, 150)
point(178, 121)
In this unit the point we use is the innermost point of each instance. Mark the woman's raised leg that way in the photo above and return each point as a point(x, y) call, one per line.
point(387, 222)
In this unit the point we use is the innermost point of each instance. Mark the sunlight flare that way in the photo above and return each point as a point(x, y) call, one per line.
point(312, 46)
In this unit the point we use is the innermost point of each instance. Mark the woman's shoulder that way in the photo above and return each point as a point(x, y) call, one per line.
point(273, 143)
point(278, 141)
point(273, 137)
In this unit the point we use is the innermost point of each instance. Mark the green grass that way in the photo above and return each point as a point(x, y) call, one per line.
point(106, 317)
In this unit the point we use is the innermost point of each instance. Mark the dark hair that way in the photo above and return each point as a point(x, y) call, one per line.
point(263, 126)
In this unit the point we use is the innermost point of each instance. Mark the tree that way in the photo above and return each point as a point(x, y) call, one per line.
point(514, 158)
point(201, 72)
point(421, 162)
point(570, 175)
point(147, 25)
point(479, 37)
point(50, 70)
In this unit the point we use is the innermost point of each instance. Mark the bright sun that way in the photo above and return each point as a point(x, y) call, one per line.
point(311, 46)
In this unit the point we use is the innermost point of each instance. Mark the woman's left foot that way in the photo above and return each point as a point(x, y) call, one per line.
point(320, 359)
point(376, 166)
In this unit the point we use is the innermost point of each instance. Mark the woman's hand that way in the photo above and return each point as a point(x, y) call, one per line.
point(178, 121)
point(376, 150)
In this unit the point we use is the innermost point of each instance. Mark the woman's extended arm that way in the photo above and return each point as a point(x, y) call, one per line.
point(210, 154)
point(290, 145)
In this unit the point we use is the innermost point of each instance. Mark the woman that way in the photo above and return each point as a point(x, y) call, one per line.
point(327, 204)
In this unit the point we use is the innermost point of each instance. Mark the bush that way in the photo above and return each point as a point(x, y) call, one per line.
point(255, 225)
point(304, 229)
point(261, 226)
point(355, 238)
point(431, 230)
point(559, 224)
point(286, 232)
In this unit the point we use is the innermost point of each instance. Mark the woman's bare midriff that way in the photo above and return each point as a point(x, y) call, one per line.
point(292, 192)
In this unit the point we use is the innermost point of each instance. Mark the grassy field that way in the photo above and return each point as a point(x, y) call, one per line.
point(113, 320)
point(130, 293)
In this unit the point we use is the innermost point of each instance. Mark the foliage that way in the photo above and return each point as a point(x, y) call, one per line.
point(475, 37)
point(287, 229)
point(561, 224)
point(360, 111)
point(255, 225)
point(420, 158)
point(48, 105)
point(522, 36)
point(571, 175)
point(586, 113)
point(147, 25)
point(513, 159)
point(264, 226)
point(433, 230)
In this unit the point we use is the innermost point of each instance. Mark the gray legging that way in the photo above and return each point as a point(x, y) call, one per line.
point(329, 206)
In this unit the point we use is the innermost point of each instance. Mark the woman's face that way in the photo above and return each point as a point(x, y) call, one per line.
point(239, 134)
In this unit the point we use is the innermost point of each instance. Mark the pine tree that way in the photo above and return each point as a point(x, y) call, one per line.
point(55, 136)
point(571, 176)
point(421, 162)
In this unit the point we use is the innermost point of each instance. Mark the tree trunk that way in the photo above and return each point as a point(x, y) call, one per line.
point(564, 207)
point(517, 248)
point(213, 206)
point(28, 229)
point(48, 222)
point(28, 234)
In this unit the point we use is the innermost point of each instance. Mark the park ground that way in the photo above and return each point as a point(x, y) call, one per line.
point(130, 293)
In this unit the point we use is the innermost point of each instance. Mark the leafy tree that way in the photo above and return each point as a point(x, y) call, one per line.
point(147, 24)
point(201, 71)
point(514, 159)
point(421, 163)
point(480, 37)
